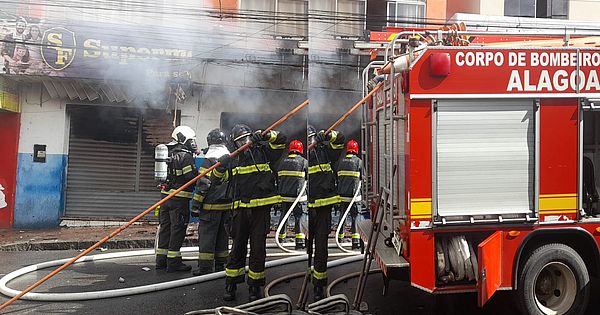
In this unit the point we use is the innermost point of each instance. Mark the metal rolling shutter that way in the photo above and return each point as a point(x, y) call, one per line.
point(110, 170)
point(485, 157)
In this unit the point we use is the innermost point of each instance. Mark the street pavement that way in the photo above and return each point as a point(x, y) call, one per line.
point(104, 275)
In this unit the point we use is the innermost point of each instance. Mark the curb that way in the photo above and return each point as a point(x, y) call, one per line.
point(81, 245)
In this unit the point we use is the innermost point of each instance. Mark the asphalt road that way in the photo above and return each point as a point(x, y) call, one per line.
point(402, 299)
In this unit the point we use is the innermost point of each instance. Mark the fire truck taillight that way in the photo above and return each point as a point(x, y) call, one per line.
point(439, 64)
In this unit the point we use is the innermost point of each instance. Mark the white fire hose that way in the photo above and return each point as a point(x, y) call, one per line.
point(343, 220)
point(92, 295)
point(284, 220)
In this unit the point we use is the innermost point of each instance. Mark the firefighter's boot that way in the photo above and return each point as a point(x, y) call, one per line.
point(318, 293)
point(282, 237)
point(161, 262)
point(299, 241)
point(220, 264)
point(341, 237)
point(254, 293)
point(355, 241)
point(229, 294)
point(204, 267)
point(176, 265)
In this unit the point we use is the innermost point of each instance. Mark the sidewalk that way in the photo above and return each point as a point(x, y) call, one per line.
point(78, 238)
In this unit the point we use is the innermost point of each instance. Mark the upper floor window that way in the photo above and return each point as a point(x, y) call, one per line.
point(552, 9)
point(403, 13)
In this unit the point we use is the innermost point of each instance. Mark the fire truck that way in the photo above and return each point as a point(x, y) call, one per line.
point(480, 160)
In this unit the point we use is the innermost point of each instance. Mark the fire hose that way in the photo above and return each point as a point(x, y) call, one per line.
point(343, 219)
point(145, 212)
point(285, 218)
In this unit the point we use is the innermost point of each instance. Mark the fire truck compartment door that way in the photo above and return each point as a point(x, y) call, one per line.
point(484, 157)
point(489, 258)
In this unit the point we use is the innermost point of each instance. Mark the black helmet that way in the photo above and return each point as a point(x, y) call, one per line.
point(216, 136)
point(240, 134)
point(311, 131)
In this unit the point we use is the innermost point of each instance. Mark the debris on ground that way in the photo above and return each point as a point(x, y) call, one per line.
point(146, 269)
point(121, 280)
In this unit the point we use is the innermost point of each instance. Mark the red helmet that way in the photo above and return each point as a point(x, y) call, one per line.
point(296, 146)
point(352, 146)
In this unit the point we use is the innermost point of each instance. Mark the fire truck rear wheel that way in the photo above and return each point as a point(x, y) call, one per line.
point(553, 280)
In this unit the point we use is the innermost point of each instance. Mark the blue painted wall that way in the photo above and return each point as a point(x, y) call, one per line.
point(40, 194)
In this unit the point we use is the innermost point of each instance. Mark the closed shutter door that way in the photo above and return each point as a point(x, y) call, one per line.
point(110, 166)
point(485, 157)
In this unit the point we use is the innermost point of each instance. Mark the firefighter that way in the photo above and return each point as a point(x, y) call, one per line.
point(291, 177)
point(174, 214)
point(322, 197)
point(254, 193)
point(211, 204)
point(349, 173)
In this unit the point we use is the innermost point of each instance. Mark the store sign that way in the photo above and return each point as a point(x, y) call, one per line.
point(94, 51)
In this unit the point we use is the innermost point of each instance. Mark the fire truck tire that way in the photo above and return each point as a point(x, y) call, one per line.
point(553, 280)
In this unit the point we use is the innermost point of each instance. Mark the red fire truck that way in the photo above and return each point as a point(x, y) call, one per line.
point(482, 149)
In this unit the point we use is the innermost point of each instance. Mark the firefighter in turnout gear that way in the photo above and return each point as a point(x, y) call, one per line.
point(212, 204)
point(322, 196)
point(349, 173)
point(174, 214)
point(291, 177)
point(254, 193)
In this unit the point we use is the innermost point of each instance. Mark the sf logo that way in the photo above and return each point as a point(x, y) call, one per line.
point(58, 47)
point(2, 198)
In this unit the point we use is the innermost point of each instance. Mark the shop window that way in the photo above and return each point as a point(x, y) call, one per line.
point(405, 13)
point(551, 9)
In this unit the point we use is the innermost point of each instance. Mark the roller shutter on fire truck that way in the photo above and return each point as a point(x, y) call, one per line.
point(484, 157)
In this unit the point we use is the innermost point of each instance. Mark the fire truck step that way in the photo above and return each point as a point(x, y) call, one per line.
point(387, 258)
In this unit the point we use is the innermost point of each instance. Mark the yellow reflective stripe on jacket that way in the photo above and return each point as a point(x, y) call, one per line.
point(291, 173)
point(198, 197)
point(272, 136)
point(161, 251)
point(299, 235)
point(324, 202)
point(319, 275)
point(277, 146)
point(223, 176)
point(173, 254)
point(288, 199)
point(223, 254)
point(217, 206)
point(202, 169)
point(256, 275)
point(348, 173)
point(258, 202)
point(334, 146)
point(183, 193)
point(206, 256)
point(319, 168)
point(233, 273)
point(264, 167)
point(355, 235)
point(184, 170)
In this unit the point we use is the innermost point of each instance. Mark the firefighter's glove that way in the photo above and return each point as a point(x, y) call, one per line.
point(257, 136)
point(373, 82)
point(322, 136)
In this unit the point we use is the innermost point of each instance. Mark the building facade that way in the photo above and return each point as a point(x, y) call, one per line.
point(87, 93)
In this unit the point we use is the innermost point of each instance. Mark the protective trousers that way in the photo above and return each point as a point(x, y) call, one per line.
point(353, 214)
point(320, 226)
point(173, 217)
point(248, 224)
point(297, 212)
point(212, 240)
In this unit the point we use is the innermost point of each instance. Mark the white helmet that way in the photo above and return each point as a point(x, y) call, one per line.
point(186, 136)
